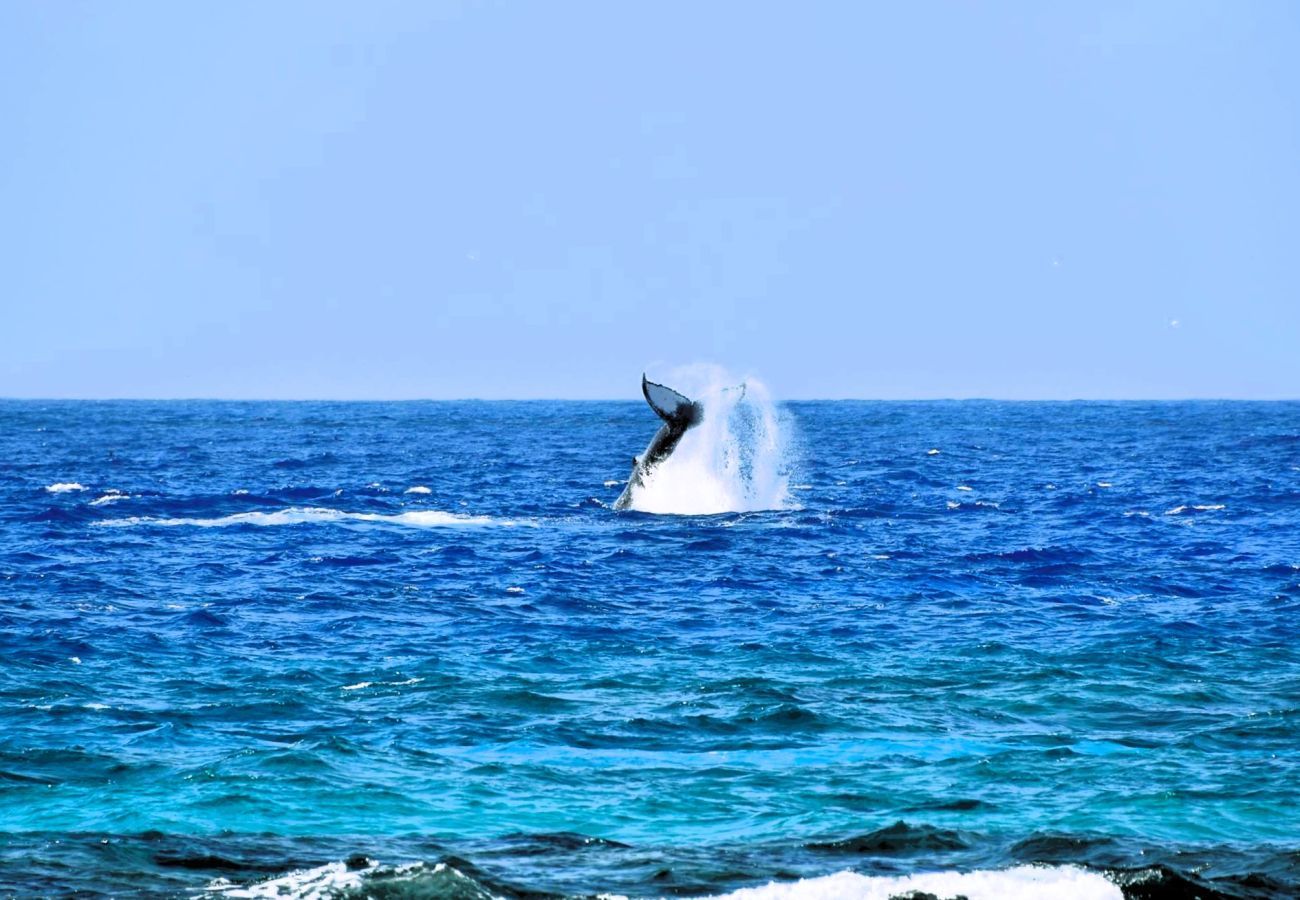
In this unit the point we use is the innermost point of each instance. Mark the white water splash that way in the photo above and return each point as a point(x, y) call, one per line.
point(735, 460)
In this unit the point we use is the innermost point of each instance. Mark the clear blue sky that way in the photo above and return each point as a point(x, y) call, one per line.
point(518, 199)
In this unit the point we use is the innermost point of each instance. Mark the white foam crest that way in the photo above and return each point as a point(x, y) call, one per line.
point(323, 881)
point(418, 489)
point(297, 515)
point(337, 879)
point(1199, 507)
point(112, 496)
point(735, 460)
point(1019, 883)
point(63, 487)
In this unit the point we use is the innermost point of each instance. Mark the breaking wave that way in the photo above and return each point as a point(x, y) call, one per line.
point(1028, 882)
point(65, 487)
point(735, 460)
point(362, 877)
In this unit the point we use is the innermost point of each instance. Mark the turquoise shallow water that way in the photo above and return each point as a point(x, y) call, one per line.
point(233, 641)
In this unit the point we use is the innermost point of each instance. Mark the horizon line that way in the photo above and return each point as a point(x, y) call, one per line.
point(936, 399)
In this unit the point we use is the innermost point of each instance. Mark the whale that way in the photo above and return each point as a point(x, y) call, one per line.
point(680, 414)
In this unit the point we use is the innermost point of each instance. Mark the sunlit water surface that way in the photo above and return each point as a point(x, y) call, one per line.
point(410, 647)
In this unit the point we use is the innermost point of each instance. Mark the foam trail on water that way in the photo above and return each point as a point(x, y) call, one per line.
point(734, 461)
point(424, 518)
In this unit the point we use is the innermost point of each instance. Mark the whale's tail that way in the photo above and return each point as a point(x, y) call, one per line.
point(671, 406)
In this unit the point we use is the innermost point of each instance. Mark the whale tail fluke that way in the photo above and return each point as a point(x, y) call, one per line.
point(669, 405)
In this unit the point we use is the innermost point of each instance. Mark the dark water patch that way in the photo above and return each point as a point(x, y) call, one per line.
point(1065, 848)
point(523, 844)
point(897, 839)
point(1038, 556)
point(304, 462)
point(709, 545)
point(960, 805)
point(532, 701)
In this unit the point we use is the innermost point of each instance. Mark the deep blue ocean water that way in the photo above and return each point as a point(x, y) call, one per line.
point(234, 644)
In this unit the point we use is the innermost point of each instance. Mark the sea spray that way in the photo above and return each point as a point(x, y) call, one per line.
point(735, 460)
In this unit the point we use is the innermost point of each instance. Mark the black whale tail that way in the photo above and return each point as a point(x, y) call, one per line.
point(671, 406)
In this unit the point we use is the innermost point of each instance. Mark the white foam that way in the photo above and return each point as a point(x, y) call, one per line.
point(63, 487)
point(933, 451)
point(1201, 507)
point(418, 489)
point(111, 497)
point(965, 487)
point(1019, 883)
point(362, 685)
point(337, 879)
point(298, 515)
point(323, 881)
point(733, 461)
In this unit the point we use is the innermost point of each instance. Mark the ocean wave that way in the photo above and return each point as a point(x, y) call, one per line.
point(110, 496)
point(1003, 884)
point(1199, 507)
point(64, 487)
point(420, 518)
point(359, 877)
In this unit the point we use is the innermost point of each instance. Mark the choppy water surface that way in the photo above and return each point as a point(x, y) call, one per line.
point(388, 648)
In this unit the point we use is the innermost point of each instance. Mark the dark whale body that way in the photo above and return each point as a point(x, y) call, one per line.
point(679, 414)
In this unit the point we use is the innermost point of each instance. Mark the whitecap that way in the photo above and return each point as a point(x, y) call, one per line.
point(965, 487)
point(933, 451)
point(299, 515)
point(63, 487)
point(1198, 507)
point(418, 489)
point(514, 589)
point(612, 483)
point(328, 880)
point(1104, 484)
point(338, 879)
point(111, 497)
point(362, 685)
point(1027, 882)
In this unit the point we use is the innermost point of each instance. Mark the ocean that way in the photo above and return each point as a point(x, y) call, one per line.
point(838, 649)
